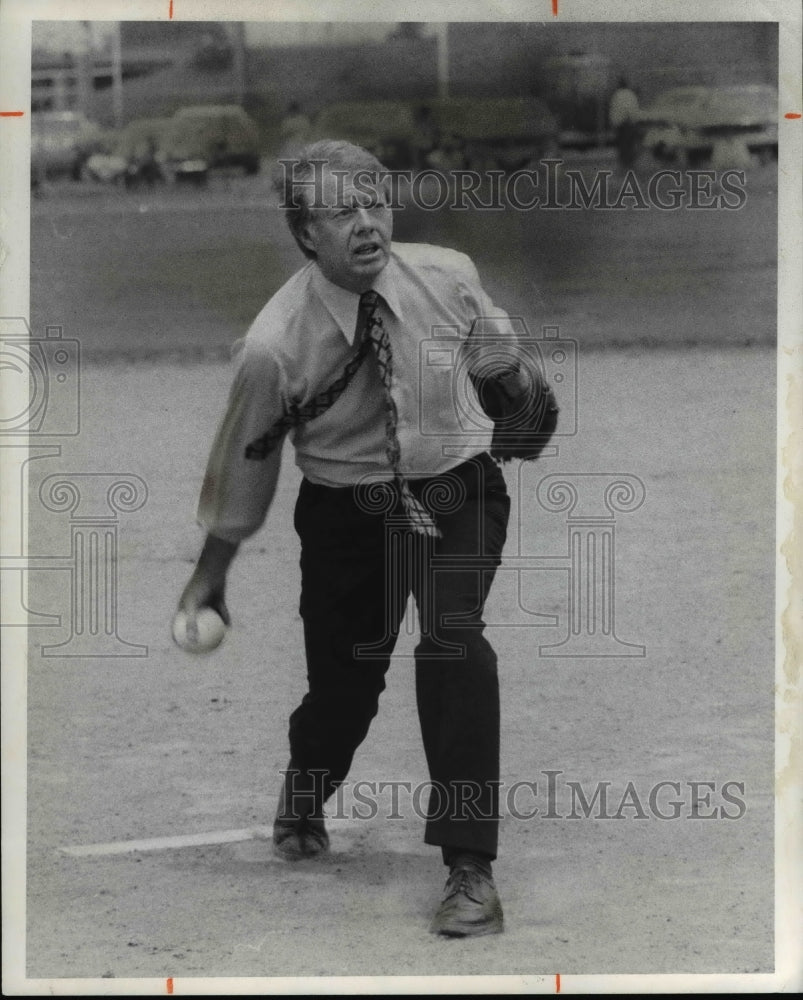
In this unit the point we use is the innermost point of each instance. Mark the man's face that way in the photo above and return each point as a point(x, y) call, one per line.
point(351, 233)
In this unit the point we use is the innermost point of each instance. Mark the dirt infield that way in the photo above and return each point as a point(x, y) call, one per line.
point(166, 744)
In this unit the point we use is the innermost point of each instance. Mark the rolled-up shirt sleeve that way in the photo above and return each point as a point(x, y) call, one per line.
point(237, 492)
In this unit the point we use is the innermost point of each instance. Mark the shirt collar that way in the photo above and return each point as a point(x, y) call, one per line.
point(343, 305)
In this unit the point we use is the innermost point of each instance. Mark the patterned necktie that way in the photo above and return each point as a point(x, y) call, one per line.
point(371, 328)
point(296, 414)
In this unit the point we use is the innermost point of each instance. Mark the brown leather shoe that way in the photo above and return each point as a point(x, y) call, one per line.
point(301, 838)
point(296, 833)
point(470, 904)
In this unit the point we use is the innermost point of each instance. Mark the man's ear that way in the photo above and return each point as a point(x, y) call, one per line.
point(306, 238)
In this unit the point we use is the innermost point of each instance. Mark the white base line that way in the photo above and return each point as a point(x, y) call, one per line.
point(168, 843)
point(188, 840)
point(392, 840)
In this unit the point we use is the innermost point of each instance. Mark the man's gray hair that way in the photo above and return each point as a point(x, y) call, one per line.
point(298, 176)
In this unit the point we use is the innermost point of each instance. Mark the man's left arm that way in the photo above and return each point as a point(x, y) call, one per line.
point(508, 377)
point(492, 347)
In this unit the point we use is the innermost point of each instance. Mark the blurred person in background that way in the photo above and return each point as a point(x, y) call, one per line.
point(623, 117)
point(294, 130)
point(426, 136)
point(143, 165)
point(449, 154)
point(334, 361)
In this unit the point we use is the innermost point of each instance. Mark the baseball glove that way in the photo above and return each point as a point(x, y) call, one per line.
point(523, 408)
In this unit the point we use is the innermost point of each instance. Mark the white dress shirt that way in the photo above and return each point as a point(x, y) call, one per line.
point(299, 345)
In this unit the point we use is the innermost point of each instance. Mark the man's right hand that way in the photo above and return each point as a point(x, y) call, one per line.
point(207, 585)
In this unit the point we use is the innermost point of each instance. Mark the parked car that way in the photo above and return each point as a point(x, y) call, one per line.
point(384, 128)
point(686, 122)
point(206, 137)
point(506, 133)
point(61, 142)
point(138, 153)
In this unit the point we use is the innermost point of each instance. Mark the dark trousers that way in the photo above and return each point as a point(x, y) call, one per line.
point(359, 563)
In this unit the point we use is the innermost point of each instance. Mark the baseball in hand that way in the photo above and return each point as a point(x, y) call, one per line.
point(198, 633)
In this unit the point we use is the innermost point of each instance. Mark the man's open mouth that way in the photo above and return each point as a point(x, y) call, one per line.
point(366, 249)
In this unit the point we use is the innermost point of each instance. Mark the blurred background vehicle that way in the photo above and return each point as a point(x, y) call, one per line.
point(505, 133)
point(385, 128)
point(411, 92)
point(686, 123)
point(185, 146)
point(668, 121)
point(61, 143)
point(294, 130)
point(138, 153)
point(205, 137)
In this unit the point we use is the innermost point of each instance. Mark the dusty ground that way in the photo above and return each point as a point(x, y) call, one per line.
point(165, 744)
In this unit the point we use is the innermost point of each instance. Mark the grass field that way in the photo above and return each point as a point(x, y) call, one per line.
point(188, 271)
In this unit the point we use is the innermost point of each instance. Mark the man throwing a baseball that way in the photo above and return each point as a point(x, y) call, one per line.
point(387, 506)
